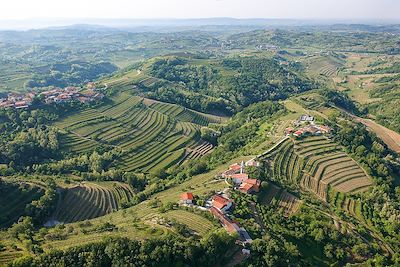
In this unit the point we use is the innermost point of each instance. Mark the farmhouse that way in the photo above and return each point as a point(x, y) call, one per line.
point(325, 129)
point(234, 169)
point(288, 130)
point(21, 104)
point(187, 198)
point(221, 203)
point(306, 118)
point(231, 227)
point(250, 186)
point(299, 133)
point(312, 129)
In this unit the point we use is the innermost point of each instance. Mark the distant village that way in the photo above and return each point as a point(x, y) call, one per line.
point(305, 126)
point(220, 205)
point(55, 95)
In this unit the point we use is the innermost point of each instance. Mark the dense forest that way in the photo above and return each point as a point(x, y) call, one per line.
point(69, 74)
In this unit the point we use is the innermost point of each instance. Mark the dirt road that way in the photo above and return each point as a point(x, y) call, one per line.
point(391, 138)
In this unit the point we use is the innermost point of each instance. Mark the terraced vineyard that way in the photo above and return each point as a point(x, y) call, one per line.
point(198, 150)
point(316, 163)
point(325, 65)
point(150, 134)
point(352, 206)
point(14, 197)
point(182, 114)
point(284, 200)
point(89, 200)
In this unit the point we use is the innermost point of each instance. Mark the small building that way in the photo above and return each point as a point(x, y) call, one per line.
point(187, 198)
point(250, 186)
point(252, 163)
point(234, 169)
point(288, 130)
point(238, 178)
point(21, 105)
point(221, 203)
point(306, 118)
point(325, 129)
point(298, 133)
point(230, 226)
point(313, 130)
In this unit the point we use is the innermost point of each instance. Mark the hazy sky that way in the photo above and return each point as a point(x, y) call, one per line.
point(329, 9)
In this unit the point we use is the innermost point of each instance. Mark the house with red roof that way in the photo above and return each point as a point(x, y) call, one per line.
point(298, 133)
point(187, 198)
point(289, 130)
point(230, 226)
point(250, 186)
point(325, 129)
point(21, 105)
point(221, 203)
point(234, 169)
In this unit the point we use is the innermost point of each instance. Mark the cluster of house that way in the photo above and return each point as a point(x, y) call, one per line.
point(59, 95)
point(17, 101)
point(311, 128)
point(237, 174)
point(219, 205)
point(56, 95)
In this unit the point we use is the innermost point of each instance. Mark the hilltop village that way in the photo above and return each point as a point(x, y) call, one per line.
point(55, 95)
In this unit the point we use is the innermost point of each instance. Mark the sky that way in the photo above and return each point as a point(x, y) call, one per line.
point(145, 9)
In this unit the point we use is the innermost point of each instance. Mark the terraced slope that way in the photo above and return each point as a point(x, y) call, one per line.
point(150, 134)
point(182, 114)
point(285, 201)
point(89, 200)
point(316, 163)
point(14, 197)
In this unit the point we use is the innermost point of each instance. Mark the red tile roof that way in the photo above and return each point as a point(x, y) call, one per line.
point(245, 187)
point(230, 226)
point(239, 176)
point(220, 202)
point(235, 167)
point(187, 196)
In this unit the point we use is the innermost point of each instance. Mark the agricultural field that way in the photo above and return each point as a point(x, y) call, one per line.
point(198, 224)
point(285, 201)
point(316, 164)
point(14, 198)
point(89, 200)
point(324, 65)
point(151, 134)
